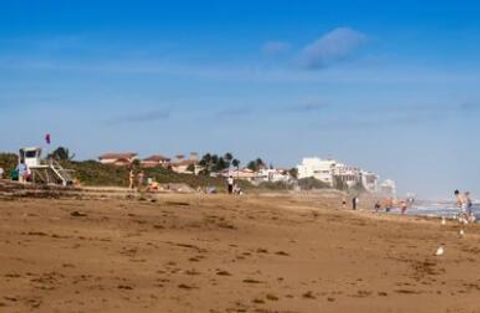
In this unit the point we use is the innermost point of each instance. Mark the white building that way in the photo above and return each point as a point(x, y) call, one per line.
point(317, 168)
point(349, 175)
point(370, 181)
point(330, 172)
point(273, 175)
point(388, 188)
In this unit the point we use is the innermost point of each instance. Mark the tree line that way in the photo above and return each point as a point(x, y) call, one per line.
point(210, 162)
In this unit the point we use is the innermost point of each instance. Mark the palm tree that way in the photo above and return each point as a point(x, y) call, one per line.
point(293, 172)
point(62, 154)
point(228, 156)
point(191, 168)
point(236, 163)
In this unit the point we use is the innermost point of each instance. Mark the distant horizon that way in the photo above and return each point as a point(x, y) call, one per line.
point(389, 87)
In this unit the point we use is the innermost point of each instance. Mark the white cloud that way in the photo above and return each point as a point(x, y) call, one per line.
point(332, 47)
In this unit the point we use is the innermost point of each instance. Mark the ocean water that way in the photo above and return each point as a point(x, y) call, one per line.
point(438, 209)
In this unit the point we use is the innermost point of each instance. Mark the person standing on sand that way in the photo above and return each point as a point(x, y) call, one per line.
point(461, 204)
point(230, 182)
point(403, 206)
point(22, 170)
point(344, 203)
point(459, 200)
point(140, 179)
point(469, 207)
point(468, 202)
point(131, 179)
point(354, 203)
point(388, 204)
point(378, 206)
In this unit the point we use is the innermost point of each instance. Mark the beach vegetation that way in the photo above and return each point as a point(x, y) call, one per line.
point(310, 183)
point(62, 154)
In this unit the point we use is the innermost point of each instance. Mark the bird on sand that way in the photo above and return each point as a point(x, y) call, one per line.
point(440, 250)
point(461, 233)
point(444, 221)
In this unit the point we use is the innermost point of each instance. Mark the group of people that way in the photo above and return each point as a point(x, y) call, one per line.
point(355, 202)
point(21, 173)
point(136, 180)
point(233, 187)
point(388, 204)
point(464, 203)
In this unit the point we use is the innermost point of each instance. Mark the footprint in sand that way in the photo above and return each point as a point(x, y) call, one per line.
point(192, 272)
point(187, 287)
point(271, 297)
point(308, 295)
point(223, 273)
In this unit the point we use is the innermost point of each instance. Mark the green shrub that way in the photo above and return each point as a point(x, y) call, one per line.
point(8, 161)
point(93, 173)
point(312, 183)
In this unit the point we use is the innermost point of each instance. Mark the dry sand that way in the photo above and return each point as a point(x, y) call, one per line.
point(191, 253)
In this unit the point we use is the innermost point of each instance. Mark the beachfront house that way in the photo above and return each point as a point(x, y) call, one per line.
point(118, 159)
point(241, 174)
point(156, 161)
point(182, 165)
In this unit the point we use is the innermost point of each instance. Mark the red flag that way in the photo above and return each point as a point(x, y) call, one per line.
point(48, 139)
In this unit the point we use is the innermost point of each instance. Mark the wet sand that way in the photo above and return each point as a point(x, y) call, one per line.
point(192, 253)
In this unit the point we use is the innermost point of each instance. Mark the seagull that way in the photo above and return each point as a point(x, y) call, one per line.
point(444, 221)
point(440, 250)
point(462, 233)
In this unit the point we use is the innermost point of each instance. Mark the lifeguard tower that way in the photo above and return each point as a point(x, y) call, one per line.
point(44, 171)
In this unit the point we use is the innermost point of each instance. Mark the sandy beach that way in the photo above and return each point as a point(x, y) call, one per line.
point(256, 253)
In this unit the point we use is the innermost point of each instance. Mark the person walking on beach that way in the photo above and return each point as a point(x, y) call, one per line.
point(344, 203)
point(469, 207)
point(354, 202)
point(230, 182)
point(459, 200)
point(378, 206)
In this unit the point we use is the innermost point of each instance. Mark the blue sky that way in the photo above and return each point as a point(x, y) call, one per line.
point(390, 87)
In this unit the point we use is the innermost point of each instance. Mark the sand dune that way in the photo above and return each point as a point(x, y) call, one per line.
point(192, 253)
